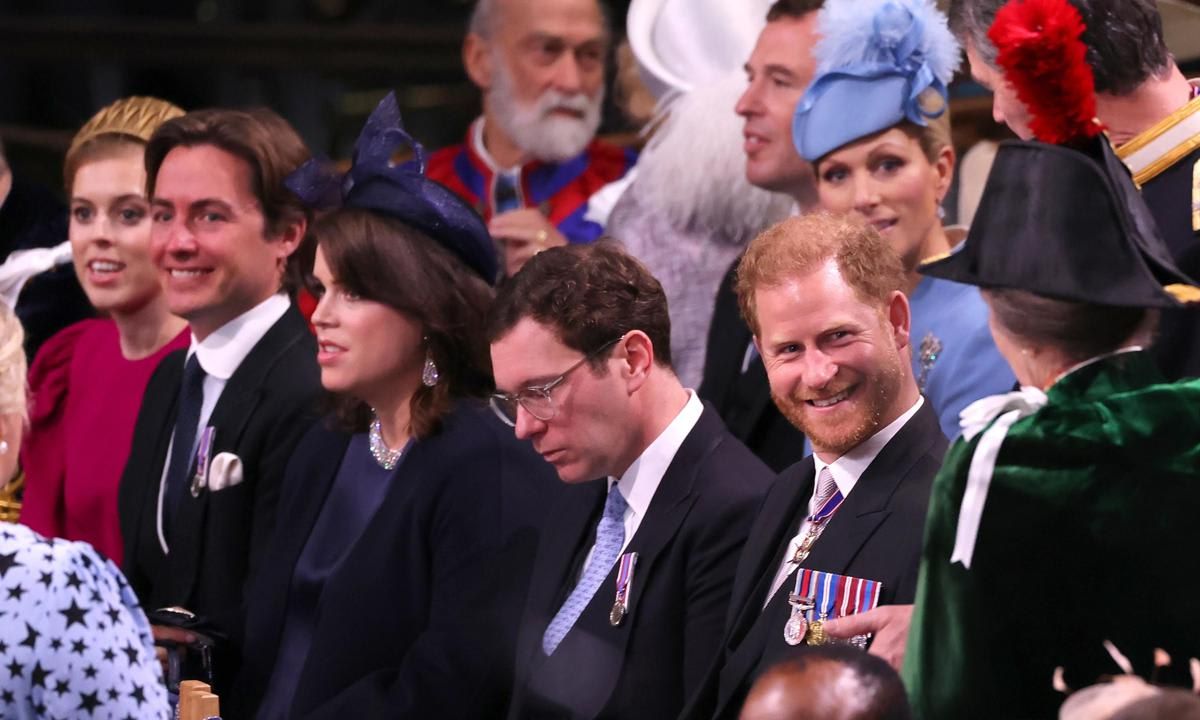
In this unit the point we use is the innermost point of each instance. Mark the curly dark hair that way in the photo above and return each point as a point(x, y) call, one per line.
point(590, 295)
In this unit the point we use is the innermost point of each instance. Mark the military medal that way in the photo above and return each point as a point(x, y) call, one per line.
point(822, 596)
point(620, 606)
point(797, 624)
point(816, 524)
point(203, 453)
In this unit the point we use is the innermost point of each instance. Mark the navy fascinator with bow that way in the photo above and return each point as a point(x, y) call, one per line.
point(399, 190)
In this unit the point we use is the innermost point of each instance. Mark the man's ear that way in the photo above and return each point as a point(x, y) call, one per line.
point(290, 238)
point(477, 59)
point(899, 317)
point(637, 357)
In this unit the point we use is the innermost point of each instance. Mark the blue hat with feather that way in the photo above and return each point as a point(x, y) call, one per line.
point(400, 190)
point(875, 61)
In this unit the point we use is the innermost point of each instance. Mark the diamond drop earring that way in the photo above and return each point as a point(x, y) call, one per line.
point(429, 373)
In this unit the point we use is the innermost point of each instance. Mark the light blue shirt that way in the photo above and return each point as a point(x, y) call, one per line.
point(954, 357)
point(73, 641)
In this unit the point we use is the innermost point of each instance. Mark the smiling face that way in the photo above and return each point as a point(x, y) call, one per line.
point(779, 70)
point(110, 231)
point(587, 437)
point(1007, 108)
point(209, 238)
point(837, 366)
point(366, 349)
point(887, 180)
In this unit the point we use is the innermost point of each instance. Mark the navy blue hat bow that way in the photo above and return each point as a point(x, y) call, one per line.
point(399, 190)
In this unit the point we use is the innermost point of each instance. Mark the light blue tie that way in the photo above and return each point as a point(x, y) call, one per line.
point(610, 536)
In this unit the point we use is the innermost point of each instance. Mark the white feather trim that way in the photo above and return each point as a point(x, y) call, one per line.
point(848, 36)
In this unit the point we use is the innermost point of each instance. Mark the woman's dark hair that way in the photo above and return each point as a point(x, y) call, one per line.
point(1079, 330)
point(382, 259)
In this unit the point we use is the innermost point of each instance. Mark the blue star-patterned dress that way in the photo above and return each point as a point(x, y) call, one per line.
point(73, 641)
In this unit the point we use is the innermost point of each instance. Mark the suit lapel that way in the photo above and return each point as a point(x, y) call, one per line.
point(867, 506)
point(293, 535)
point(592, 636)
point(571, 524)
point(856, 520)
point(239, 399)
point(670, 505)
point(775, 525)
point(158, 411)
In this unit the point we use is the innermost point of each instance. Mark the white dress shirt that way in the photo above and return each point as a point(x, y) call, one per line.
point(220, 354)
point(513, 174)
point(641, 480)
point(846, 471)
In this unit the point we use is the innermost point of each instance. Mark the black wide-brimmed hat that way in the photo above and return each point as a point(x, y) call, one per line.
point(1066, 222)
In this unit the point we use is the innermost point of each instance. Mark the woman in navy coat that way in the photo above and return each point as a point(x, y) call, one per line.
point(396, 572)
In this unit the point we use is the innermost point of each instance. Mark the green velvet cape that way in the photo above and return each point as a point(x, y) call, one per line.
point(1090, 531)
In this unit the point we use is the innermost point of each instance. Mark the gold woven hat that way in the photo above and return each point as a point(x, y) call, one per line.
point(134, 117)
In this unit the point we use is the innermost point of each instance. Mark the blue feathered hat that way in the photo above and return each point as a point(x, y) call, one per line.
point(875, 59)
point(400, 190)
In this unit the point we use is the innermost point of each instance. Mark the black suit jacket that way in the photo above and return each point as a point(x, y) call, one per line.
point(1169, 197)
point(218, 537)
point(418, 621)
point(688, 545)
point(875, 535)
point(743, 399)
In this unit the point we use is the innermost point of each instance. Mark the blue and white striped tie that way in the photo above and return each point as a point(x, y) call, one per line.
point(610, 536)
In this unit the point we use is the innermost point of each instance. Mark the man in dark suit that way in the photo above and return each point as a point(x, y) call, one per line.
point(218, 421)
point(779, 70)
point(825, 298)
point(630, 584)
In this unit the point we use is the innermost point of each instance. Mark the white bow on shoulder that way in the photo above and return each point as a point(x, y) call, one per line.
point(1005, 410)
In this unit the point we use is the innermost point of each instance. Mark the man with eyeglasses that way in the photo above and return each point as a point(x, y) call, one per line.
point(631, 581)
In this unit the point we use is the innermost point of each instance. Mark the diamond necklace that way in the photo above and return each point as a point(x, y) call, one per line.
point(385, 456)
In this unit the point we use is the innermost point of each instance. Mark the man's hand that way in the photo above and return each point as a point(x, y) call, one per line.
point(889, 624)
point(170, 634)
point(523, 233)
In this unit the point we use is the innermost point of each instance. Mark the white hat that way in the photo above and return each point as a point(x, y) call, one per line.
point(679, 44)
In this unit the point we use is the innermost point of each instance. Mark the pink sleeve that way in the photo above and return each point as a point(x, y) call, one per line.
point(42, 455)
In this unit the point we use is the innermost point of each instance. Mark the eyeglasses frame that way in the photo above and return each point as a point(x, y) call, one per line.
point(544, 389)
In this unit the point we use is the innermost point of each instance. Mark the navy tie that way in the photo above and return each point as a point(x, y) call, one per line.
point(191, 399)
point(505, 196)
point(610, 536)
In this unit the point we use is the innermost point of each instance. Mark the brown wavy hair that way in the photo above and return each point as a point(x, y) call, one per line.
point(381, 258)
point(272, 148)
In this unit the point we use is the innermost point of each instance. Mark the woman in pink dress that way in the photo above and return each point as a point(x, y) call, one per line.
point(87, 381)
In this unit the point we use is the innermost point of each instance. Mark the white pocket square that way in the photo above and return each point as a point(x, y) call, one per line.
point(224, 471)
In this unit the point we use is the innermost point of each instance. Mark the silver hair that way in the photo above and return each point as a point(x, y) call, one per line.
point(483, 18)
point(486, 14)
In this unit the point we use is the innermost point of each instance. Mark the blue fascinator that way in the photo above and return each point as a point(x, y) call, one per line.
point(875, 59)
point(401, 191)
